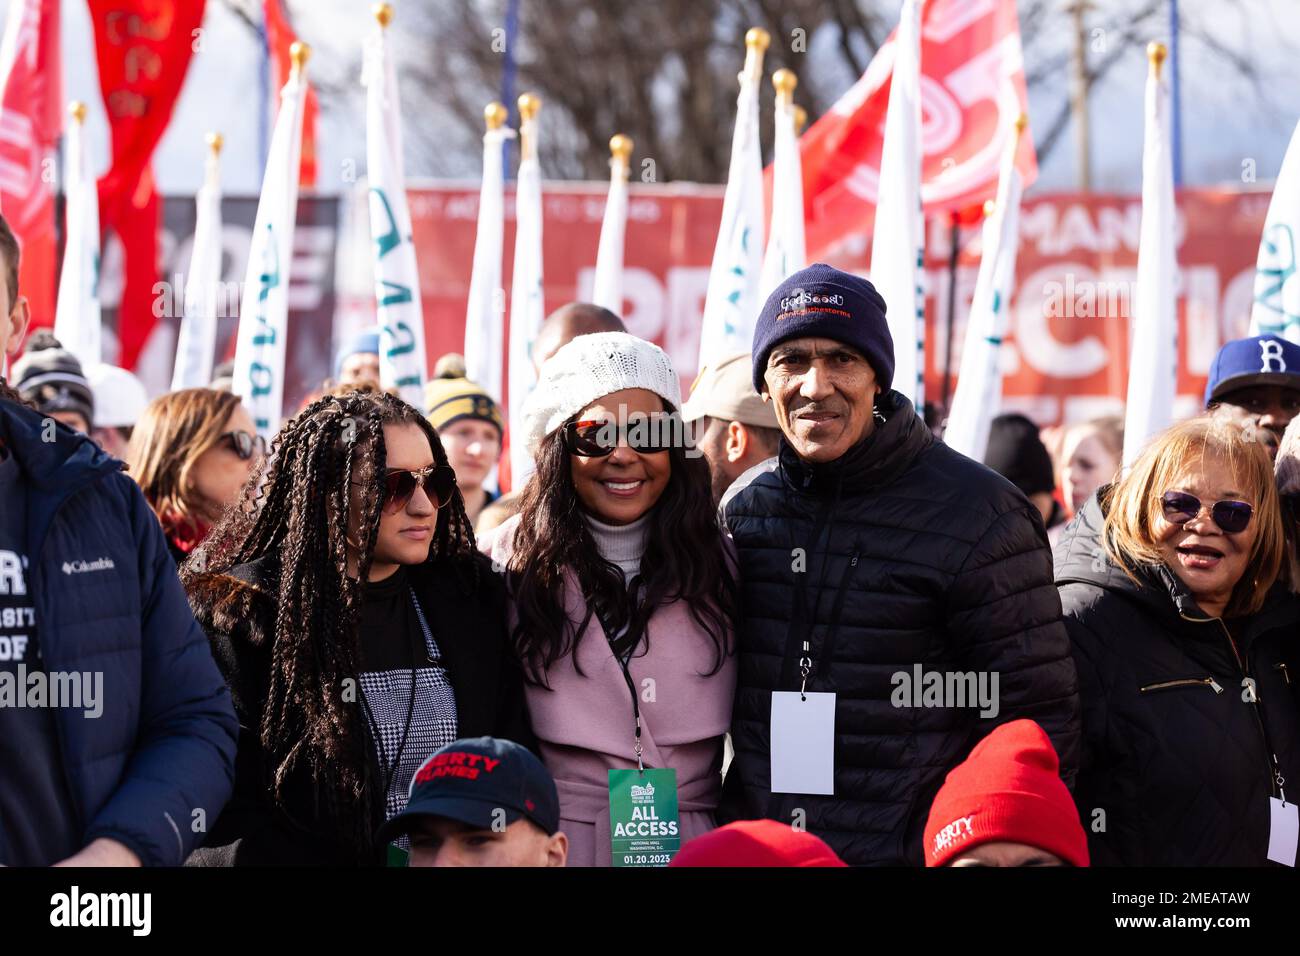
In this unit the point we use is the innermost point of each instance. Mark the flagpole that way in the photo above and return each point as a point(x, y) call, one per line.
point(526, 286)
point(1175, 96)
point(485, 310)
point(607, 289)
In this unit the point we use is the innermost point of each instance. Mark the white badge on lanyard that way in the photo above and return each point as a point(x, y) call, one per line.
point(1284, 828)
point(803, 742)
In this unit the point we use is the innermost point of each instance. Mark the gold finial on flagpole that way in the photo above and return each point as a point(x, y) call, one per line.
point(215, 141)
point(529, 104)
point(800, 119)
point(620, 147)
point(384, 14)
point(989, 206)
point(784, 81)
point(757, 38)
point(756, 43)
point(77, 110)
point(299, 53)
point(1156, 54)
point(495, 115)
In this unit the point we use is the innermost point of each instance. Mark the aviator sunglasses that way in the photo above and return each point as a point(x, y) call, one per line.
point(596, 439)
point(1232, 517)
point(439, 481)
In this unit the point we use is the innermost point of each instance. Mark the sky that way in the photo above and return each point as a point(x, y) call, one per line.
point(1228, 125)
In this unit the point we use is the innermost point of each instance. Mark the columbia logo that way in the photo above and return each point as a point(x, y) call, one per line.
point(82, 567)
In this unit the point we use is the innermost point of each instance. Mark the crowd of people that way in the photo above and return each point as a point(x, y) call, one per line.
point(780, 609)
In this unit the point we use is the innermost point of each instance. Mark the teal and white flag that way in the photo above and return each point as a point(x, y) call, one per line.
point(402, 361)
point(978, 398)
point(197, 344)
point(1277, 285)
point(1153, 358)
point(526, 305)
point(732, 303)
point(898, 239)
point(264, 306)
point(785, 241)
point(607, 290)
point(485, 314)
point(77, 320)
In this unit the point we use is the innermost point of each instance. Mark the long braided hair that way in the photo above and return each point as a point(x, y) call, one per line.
point(683, 561)
point(294, 512)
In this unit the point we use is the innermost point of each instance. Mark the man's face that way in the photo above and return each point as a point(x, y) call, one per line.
point(1270, 406)
point(824, 392)
point(442, 842)
point(360, 367)
point(1003, 853)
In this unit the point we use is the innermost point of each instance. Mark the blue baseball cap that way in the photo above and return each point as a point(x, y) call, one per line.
point(1260, 360)
point(478, 781)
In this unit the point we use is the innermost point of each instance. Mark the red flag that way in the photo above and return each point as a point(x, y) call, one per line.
point(280, 37)
point(31, 121)
point(972, 90)
point(143, 48)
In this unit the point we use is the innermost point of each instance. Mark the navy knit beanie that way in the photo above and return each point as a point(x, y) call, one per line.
point(822, 302)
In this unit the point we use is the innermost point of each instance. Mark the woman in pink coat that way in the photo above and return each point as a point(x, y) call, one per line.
point(622, 589)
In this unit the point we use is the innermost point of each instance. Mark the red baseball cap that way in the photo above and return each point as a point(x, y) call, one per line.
point(1009, 789)
point(756, 843)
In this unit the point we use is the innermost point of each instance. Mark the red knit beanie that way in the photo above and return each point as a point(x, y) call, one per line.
point(1008, 789)
point(756, 843)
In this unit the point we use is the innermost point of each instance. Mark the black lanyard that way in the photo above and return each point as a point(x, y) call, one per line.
point(624, 660)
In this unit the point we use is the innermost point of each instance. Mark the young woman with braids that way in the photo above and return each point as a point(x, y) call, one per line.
point(357, 626)
point(622, 590)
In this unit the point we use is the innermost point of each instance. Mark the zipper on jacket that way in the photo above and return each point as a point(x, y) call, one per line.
point(1274, 772)
point(1184, 682)
point(1286, 673)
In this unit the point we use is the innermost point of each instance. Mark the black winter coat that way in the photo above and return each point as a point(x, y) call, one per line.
point(1175, 764)
point(238, 612)
point(915, 554)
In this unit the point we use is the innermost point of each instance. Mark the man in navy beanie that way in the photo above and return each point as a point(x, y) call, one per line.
point(897, 597)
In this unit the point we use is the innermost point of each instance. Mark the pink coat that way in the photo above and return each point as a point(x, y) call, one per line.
point(585, 726)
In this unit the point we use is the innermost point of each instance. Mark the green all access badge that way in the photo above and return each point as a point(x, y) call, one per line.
point(644, 829)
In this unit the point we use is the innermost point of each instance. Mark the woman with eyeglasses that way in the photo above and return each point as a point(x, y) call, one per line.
point(359, 630)
point(622, 602)
point(191, 454)
point(1181, 634)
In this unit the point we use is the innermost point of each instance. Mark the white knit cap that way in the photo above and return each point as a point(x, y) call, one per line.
point(591, 367)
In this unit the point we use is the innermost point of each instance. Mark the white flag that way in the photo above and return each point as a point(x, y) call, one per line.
point(608, 288)
point(785, 241)
point(402, 361)
point(264, 308)
point(1277, 283)
point(898, 239)
point(485, 315)
point(978, 398)
point(77, 320)
point(197, 343)
point(1153, 359)
point(526, 307)
point(732, 303)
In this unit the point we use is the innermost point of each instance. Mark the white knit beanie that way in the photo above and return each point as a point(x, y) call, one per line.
point(591, 367)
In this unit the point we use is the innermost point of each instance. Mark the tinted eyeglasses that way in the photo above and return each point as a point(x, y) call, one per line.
point(1232, 517)
point(438, 481)
point(245, 445)
point(596, 439)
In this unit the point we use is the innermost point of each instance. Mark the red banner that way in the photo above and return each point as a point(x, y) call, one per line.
point(972, 91)
point(143, 48)
point(1066, 354)
point(31, 121)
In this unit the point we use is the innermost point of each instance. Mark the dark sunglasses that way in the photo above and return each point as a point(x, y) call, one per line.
point(245, 445)
point(596, 439)
point(399, 486)
point(1232, 517)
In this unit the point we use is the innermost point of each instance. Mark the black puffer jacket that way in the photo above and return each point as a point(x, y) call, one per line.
point(915, 555)
point(1173, 755)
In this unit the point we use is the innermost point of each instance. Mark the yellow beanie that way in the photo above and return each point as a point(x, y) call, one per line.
point(448, 399)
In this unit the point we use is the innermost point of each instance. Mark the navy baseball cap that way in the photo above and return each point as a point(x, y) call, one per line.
point(471, 780)
point(1260, 360)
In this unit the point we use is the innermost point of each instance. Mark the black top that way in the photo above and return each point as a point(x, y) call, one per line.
point(37, 823)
